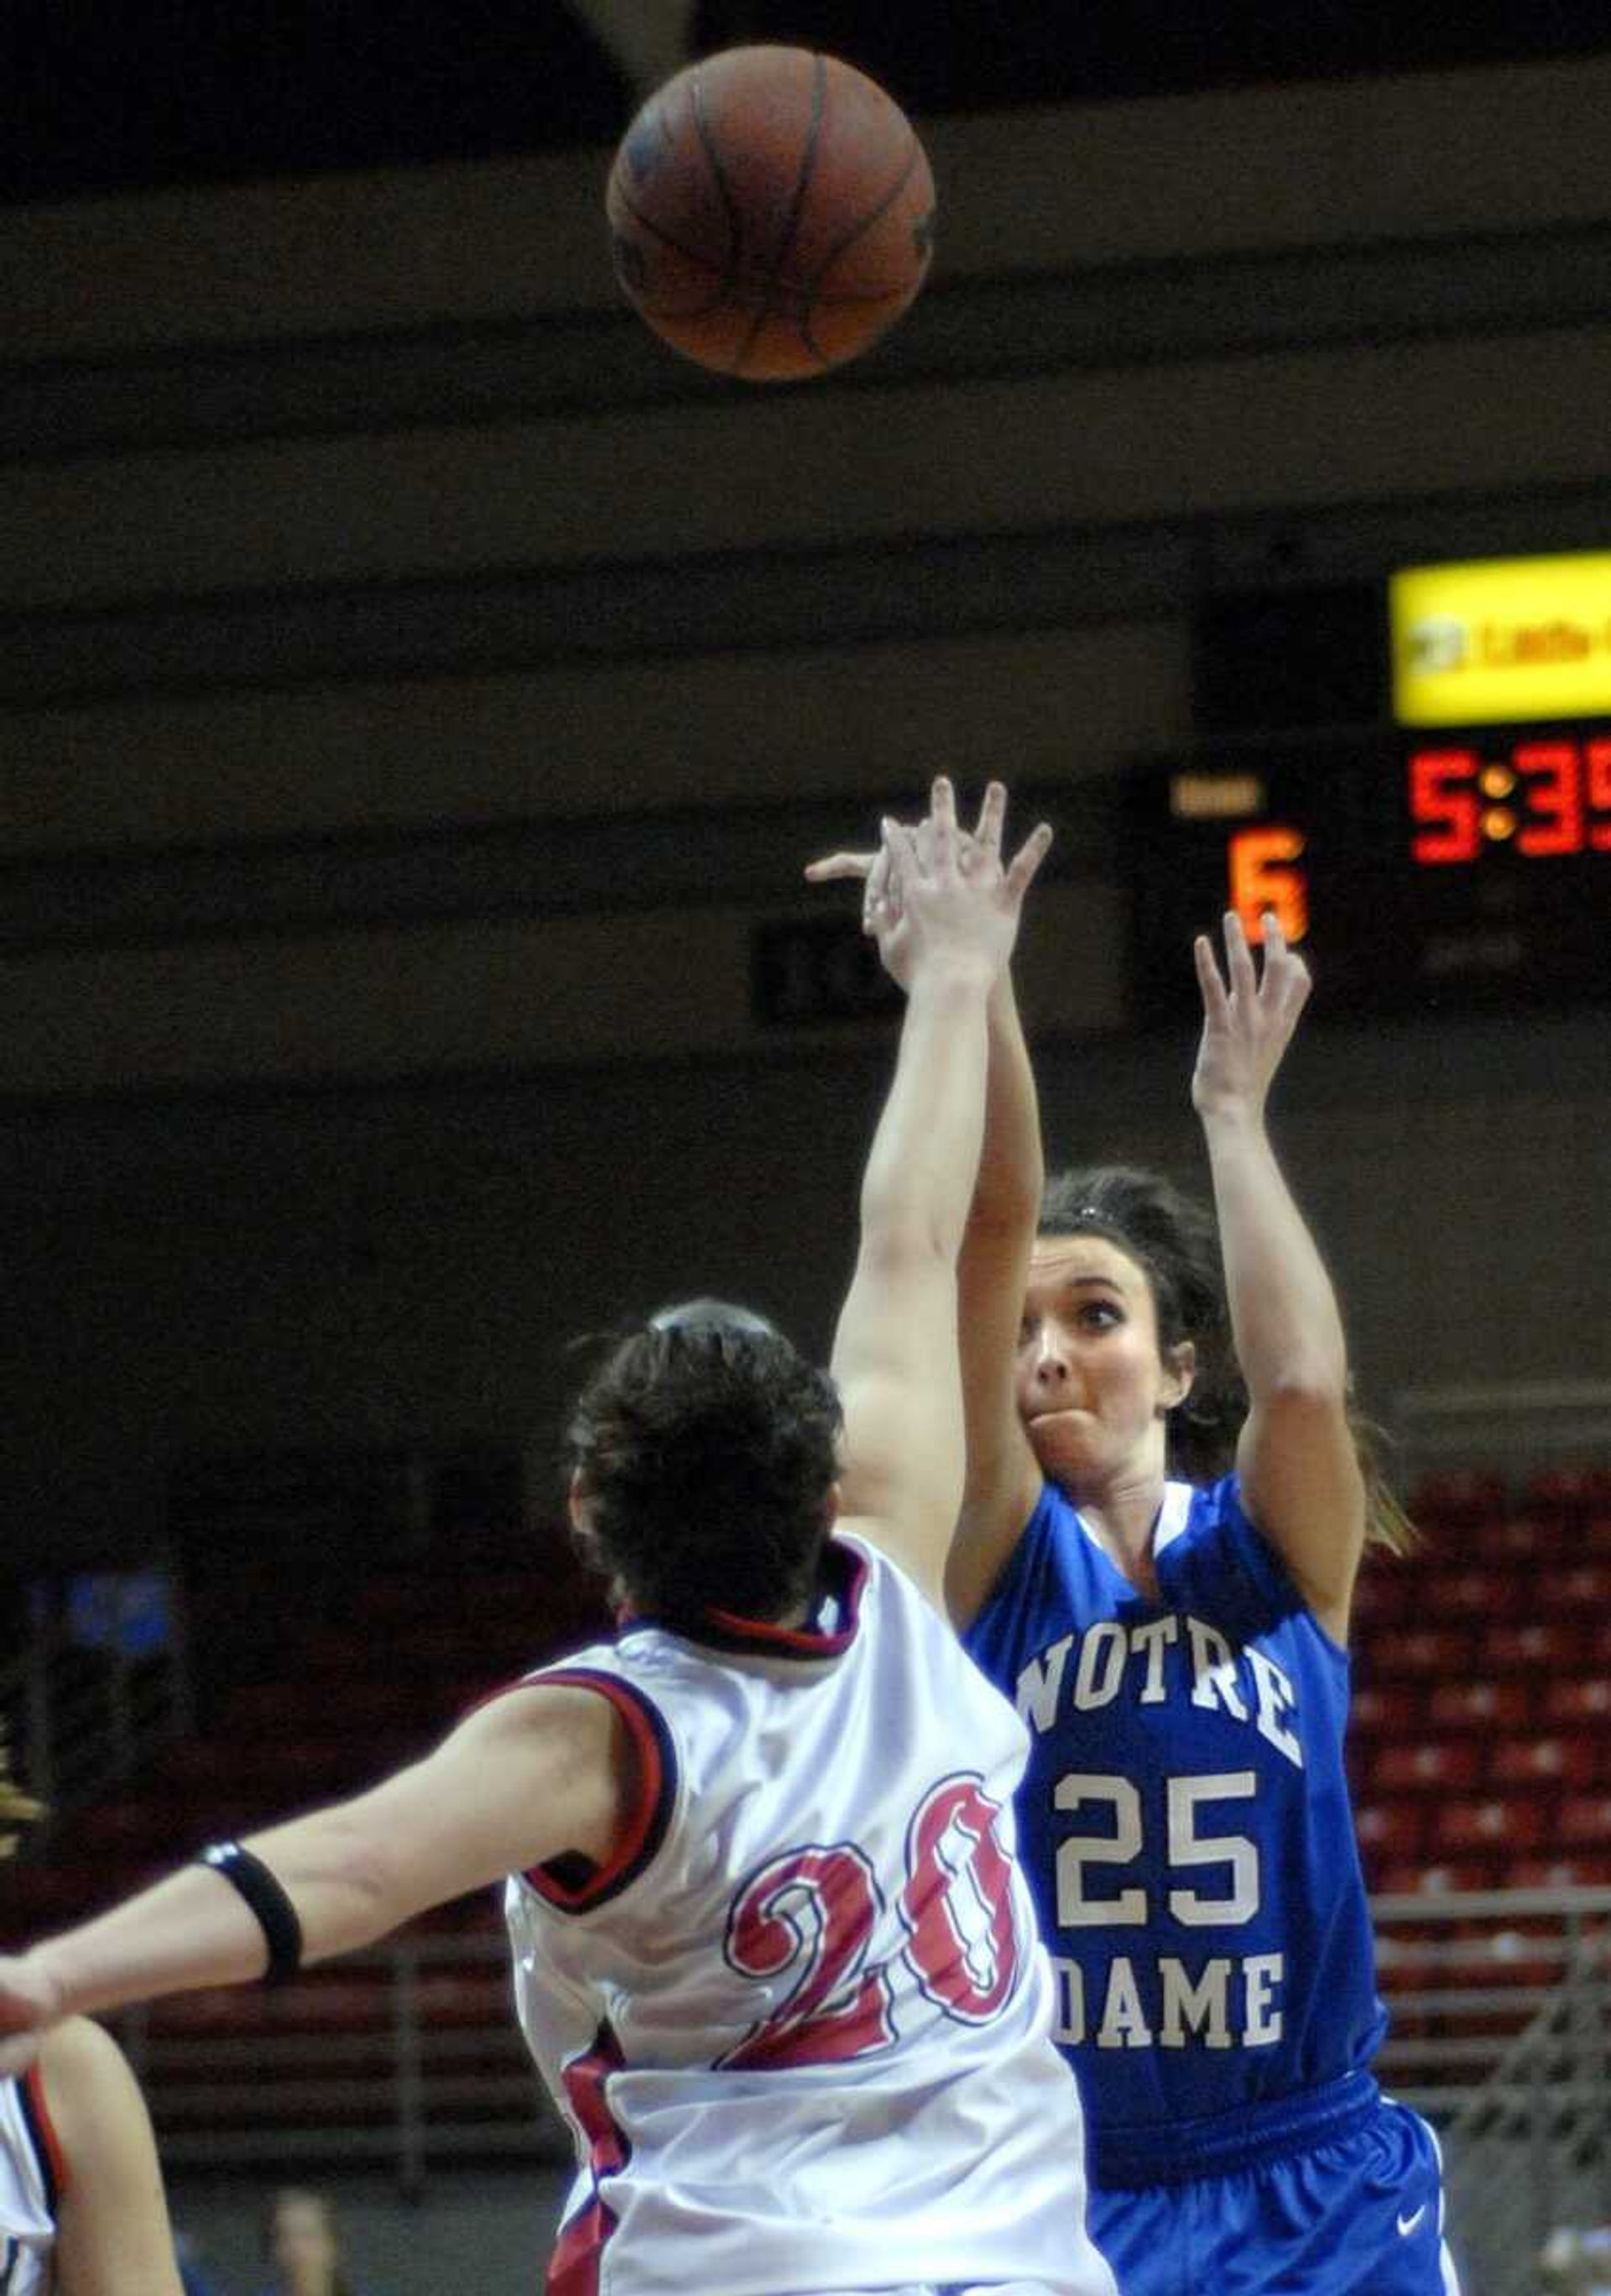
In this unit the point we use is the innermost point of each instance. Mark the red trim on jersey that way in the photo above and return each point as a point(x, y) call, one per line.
point(42, 2128)
point(578, 2253)
point(845, 1572)
point(642, 1828)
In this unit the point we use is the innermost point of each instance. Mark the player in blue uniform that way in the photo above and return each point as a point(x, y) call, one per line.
point(1166, 1510)
point(1157, 1563)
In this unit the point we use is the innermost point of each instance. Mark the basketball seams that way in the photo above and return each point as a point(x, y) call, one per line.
point(668, 238)
point(754, 162)
point(734, 213)
point(797, 208)
point(866, 225)
point(724, 282)
point(874, 214)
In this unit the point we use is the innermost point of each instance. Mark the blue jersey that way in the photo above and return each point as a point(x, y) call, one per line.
point(1185, 1827)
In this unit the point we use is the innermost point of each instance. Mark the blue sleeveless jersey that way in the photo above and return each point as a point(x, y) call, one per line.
point(1185, 1825)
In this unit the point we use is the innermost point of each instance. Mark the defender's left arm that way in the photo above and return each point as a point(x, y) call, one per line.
point(541, 1770)
point(1300, 1474)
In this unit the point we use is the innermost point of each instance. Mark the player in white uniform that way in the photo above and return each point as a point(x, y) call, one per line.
point(774, 1952)
point(82, 2210)
point(31, 2183)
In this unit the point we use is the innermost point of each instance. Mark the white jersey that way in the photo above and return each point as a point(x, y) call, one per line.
point(30, 2182)
point(799, 2025)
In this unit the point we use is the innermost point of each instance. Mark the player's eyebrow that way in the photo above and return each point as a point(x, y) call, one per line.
point(1093, 1280)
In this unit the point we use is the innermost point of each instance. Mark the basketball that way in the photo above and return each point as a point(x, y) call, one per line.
point(772, 212)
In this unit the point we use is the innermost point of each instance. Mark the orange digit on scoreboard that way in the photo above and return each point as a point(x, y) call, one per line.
point(1263, 878)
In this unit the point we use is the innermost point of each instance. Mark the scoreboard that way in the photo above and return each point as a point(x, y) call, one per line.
point(1436, 863)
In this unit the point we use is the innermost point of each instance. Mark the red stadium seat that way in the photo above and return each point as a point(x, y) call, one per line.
point(1583, 1821)
point(1594, 1539)
point(1479, 1592)
point(1479, 1822)
point(1383, 1596)
point(1567, 1494)
point(1584, 1871)
point(1513, 1539)
point(1455, 1500)
point(1581, 1699)
point(1391, 1830)
point(1428, 1767)
point(1481, 1705)
point(1570, 1590)
point(1423, 1651)
point(1540, 1646)
point(1444, 1879)
point(1544, 1761)
point(1384, 1709)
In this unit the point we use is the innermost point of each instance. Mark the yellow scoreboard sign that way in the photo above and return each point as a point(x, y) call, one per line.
point(1502, 641)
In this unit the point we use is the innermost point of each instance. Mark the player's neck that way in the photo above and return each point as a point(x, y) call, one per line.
point(1123, 1517)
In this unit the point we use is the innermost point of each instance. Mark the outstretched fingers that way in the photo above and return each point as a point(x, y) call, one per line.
point(1216, 1002)
point(1239, 959)
point(993, 814)
point(1021, 870)
point(1286, 980)
point(833, 867)
point(943, 845)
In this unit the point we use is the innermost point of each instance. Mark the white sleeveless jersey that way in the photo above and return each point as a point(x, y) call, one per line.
point(799, 2025)
point(30, 2179)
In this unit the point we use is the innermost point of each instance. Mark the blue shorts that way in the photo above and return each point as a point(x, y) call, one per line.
point(1359, 2213)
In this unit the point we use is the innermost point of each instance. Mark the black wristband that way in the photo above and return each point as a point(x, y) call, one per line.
point(276, 1914)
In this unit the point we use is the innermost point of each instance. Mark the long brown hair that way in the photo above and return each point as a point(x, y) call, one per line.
point(1172, 1240)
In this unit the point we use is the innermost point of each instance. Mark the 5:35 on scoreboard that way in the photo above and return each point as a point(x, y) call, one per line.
point(1439, 863)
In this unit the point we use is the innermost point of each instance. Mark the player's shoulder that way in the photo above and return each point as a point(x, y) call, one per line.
point(80, 2059)
point(79, 2086)
point(1201, 1511)
point(1213, 1559)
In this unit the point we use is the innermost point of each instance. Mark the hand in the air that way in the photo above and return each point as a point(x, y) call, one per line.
point(913, 855)
point(1249, 1018)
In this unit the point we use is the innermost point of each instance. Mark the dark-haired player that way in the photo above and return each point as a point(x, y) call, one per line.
point(773, 1952)
point(1166, 1506)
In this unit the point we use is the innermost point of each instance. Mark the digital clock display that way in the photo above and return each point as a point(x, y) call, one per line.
point(1545, 797)
point(1430, 873)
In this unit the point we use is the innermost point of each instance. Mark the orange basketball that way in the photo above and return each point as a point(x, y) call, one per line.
point(771, 211)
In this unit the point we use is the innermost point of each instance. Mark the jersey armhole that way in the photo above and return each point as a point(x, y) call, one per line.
point(1005, 1594)
point(1263, 1561)
point(572, 1884)
point(41, 2136)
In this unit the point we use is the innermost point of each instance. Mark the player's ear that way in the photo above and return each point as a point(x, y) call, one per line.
point(1180, 1369)
point(577, 1503)
point(833, 1507)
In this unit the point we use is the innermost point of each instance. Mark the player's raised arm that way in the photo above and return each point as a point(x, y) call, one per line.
point(535, 1773)
point(1301, 1479)
point(1003, 1478)
point(946, 919)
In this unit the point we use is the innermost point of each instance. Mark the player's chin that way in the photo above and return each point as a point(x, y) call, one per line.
point(1061, 1441)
